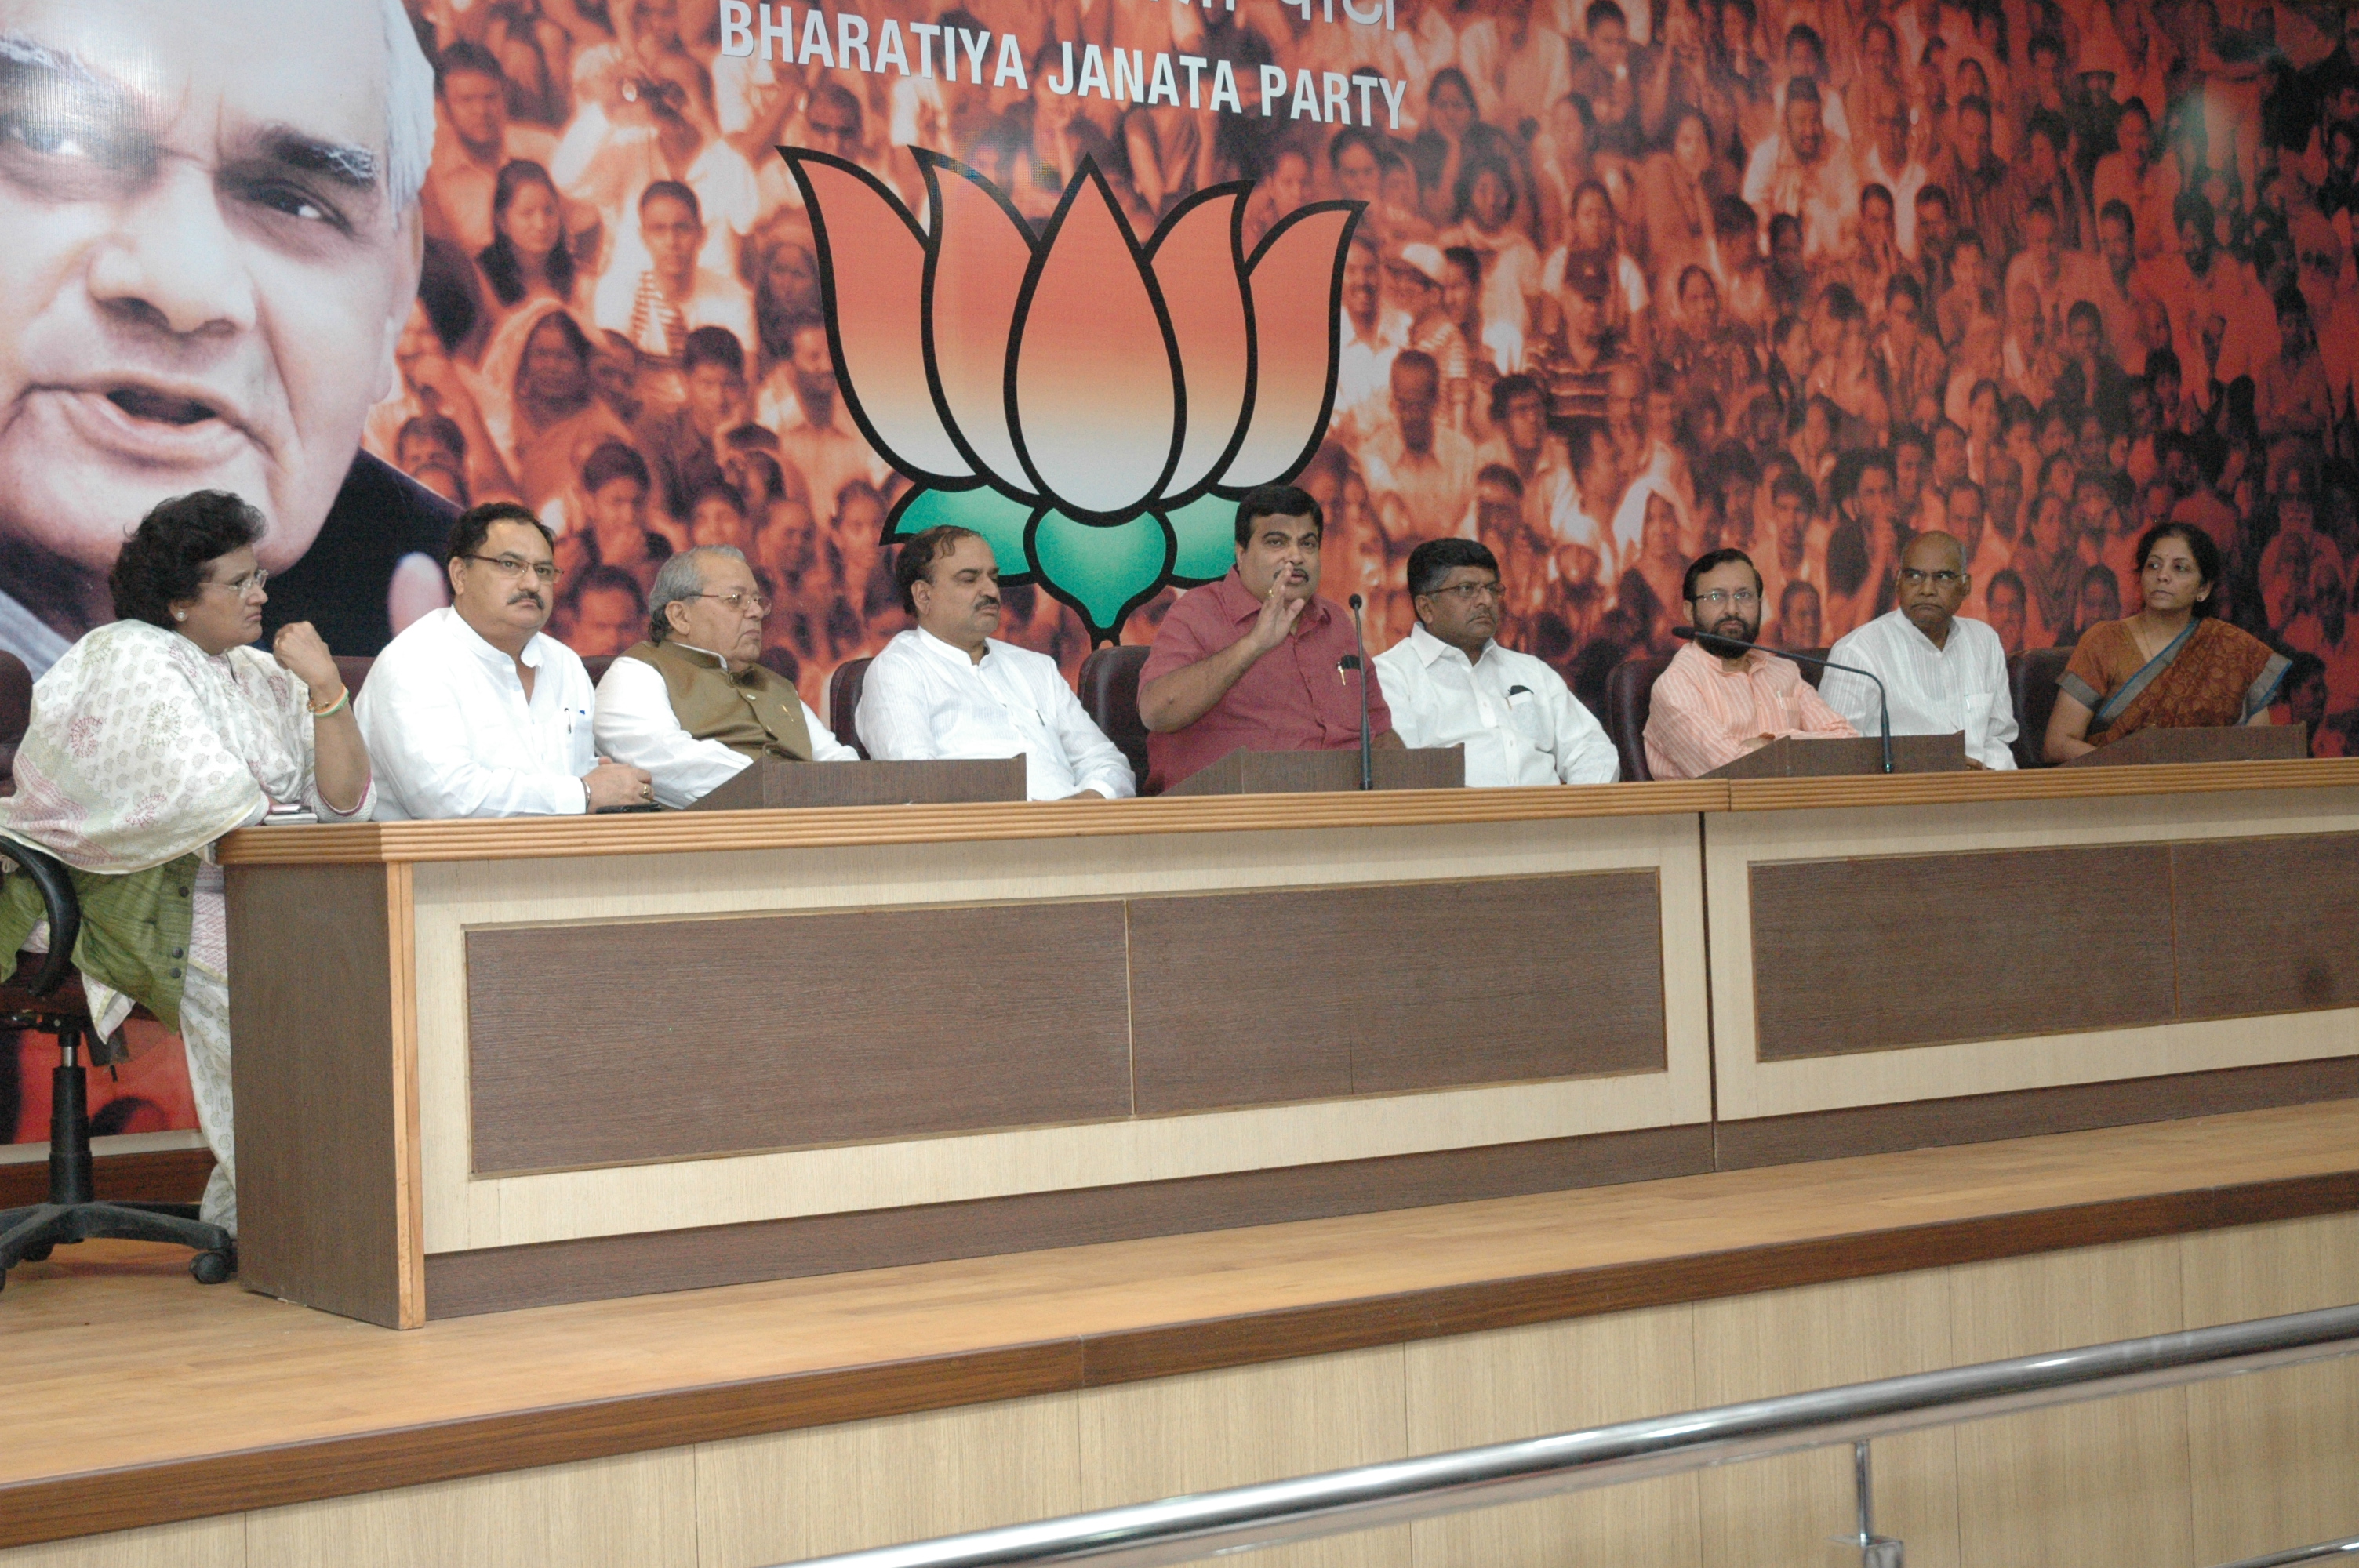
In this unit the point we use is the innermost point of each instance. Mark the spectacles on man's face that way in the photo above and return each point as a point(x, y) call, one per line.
point(1473, 592)
point(736, 600)
point(516, 567)
point(244, 583)
point(1944, 580)
point(1740, 597)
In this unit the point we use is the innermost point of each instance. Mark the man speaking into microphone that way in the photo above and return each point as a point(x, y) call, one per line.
point(1258, 661)
point(1718, 700)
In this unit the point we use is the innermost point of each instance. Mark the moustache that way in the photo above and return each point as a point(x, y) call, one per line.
point(532, 599)
point(981, 604)
point(1730, 622)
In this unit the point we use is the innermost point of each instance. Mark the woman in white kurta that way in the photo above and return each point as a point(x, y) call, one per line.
point(159, 733)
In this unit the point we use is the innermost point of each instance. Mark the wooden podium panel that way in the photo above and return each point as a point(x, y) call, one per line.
point(2157, 938)
point(1305, 773)
point(1795, 758)
point(2233, 743)
point(772, 783)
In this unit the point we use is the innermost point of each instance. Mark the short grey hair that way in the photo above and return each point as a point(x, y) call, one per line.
point(680, 579)
point(408, 107)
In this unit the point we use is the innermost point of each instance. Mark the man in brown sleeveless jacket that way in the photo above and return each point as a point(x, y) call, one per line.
point(693, 705)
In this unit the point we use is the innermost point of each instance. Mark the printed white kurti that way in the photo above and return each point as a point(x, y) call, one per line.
point(143, 748)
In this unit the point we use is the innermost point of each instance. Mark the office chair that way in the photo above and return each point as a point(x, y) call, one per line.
point(1629, 697)
point(1110, 696)
point(45, 996)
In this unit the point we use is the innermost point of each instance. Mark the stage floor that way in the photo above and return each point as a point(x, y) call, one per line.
point(140, 1396)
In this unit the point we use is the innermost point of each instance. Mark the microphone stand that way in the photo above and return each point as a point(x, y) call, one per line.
point(1367, 741)
point(1714, 640)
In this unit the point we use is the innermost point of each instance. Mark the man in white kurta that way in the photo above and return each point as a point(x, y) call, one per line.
point(1945, 675)
point(1450, 684)
point(474, 711)
point(947, 689)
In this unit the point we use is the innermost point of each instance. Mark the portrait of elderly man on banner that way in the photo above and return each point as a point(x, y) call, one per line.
point(213, 244)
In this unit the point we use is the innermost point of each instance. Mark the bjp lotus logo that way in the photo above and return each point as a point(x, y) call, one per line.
point(1088, 404)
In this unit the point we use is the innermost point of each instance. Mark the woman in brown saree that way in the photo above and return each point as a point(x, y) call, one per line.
point(2172, 666)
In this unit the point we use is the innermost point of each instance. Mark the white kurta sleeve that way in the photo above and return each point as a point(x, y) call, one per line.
point(825, 747)
point(635, 725)
point(1097, 762)
point(1585, 753)
point(1409, 694)
point(894, 720)
point(1997, 751)
point(1853, 696)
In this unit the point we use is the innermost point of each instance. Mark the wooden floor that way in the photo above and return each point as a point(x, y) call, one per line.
point(225, 1400)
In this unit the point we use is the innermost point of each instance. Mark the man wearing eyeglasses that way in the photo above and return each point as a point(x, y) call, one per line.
point(1451, 683)
point(1719, 701)
point(473, 711)
point(1945, 675)
point(693, 705)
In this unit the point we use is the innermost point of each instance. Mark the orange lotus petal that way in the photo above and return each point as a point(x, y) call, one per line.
point(982, 252)
point(1201, 276)
point(872, 261)
point(1297, 282)
point(1097, 384)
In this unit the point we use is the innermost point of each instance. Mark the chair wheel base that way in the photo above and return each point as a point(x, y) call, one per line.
point(29, 1235)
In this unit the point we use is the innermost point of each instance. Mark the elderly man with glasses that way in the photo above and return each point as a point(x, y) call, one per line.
point(473, 711)
point(1451, 683)
point(694, 705)
point(1722, 699)
point(1946, 674)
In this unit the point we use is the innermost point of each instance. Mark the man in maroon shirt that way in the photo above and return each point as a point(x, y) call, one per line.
point(1258, 662)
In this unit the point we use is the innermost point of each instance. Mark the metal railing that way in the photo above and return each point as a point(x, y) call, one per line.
point(1273, 1513)
point(2324, 1552)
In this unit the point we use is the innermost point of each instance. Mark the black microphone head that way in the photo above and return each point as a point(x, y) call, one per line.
point(1355, 602)
point(1685, 633)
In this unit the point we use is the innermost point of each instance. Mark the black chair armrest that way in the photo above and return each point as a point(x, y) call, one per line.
point(64, 910)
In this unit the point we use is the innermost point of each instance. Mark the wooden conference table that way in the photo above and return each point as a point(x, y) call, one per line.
point(487, 1064)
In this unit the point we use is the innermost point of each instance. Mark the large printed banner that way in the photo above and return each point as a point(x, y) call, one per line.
point(1603, 283)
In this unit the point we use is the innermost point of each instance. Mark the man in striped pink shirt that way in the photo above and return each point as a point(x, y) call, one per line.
point(1715, 705)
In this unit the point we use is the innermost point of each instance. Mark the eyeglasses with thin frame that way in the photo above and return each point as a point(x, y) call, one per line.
point(511, 567)
point(244, 583)
point(1469, 592)
point(1944, 580)
point(736, 600)
point(1739, 596)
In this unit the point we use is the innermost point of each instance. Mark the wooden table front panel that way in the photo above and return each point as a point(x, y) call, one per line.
point(1879, 955)
point(614, 1043)
point(2050, 941)
point(1884, 953)
point(624, 904)
point(661, 1040)
point(1259, 997)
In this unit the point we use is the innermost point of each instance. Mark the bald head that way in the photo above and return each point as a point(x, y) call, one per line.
point(1932, 584)
point(1933, 549)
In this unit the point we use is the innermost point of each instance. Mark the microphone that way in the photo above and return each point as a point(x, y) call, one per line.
point(1714, 640)
point(1367, 742)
